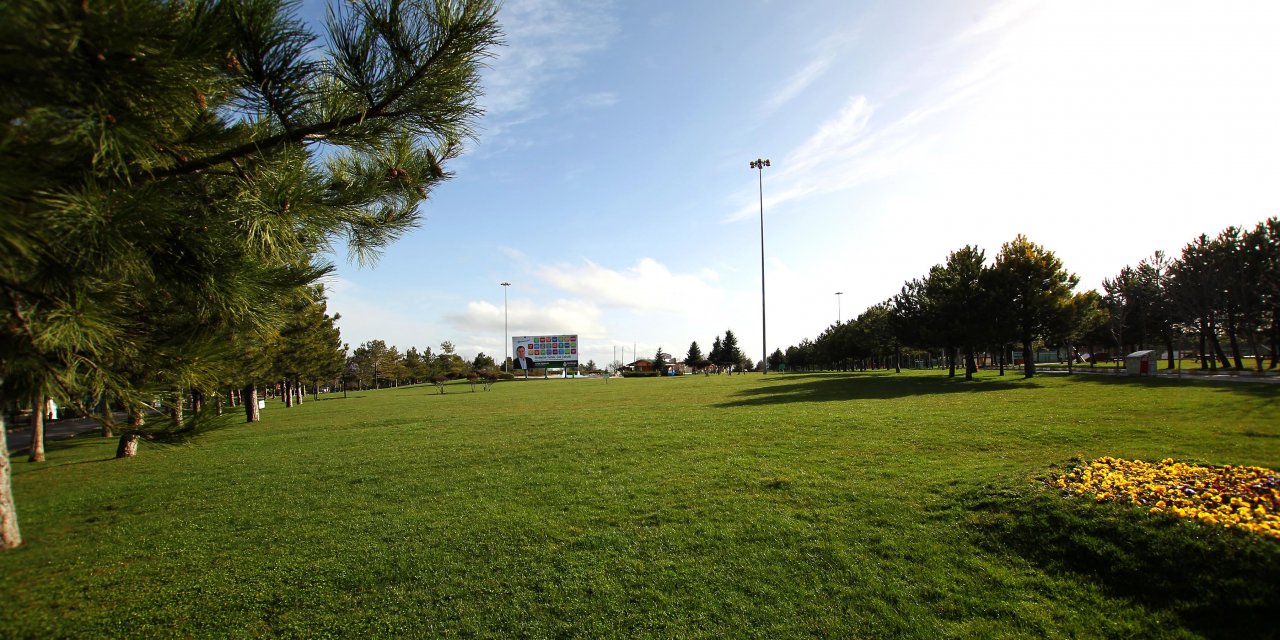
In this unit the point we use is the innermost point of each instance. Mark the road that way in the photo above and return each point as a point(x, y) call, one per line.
point(20, 437)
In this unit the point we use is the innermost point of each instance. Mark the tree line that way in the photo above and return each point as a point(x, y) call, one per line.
point(374, 365)
point(174, 176)
point(1220, 290)
point(725, 355)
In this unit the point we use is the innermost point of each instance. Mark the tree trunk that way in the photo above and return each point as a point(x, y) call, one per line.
point(128, 446)
point(250, 397)
point(10, 537)
point(37, 429)
point(175, 411)
point(108, 420)
point(302, 390)
point(287, 393)
point(1168, 344)
point(897, 359)
point(1217, 347)
point(1204, 346)
point(969, 365)
point(1235, 342)
point(1071, 359)
point(197, 401)
point(1256, 347)
point(1028, 365)
point(1002, 350)
point(951, 362)
point(1275, 338)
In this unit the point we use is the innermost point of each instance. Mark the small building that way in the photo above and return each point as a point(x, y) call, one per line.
point(1140, 363)
point(640, 365)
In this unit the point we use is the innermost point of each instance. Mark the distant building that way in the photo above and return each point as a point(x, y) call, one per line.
point(640, 365)
point(647, 364)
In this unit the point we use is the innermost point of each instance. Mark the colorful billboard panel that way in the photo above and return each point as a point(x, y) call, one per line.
point(538, 352)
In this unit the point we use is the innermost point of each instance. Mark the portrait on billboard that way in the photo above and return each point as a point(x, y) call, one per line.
point(523, 361)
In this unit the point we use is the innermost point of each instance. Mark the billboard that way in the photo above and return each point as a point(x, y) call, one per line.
point(538, 352)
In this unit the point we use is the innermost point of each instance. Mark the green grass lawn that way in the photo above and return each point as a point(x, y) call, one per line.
point(854, 505)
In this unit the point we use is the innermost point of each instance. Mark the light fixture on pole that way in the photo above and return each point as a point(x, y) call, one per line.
point(505, 341)
point(759, 166)
point(838, 294)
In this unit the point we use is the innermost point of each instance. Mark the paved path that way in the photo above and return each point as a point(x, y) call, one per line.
point(20, 437)
point(1186, 375)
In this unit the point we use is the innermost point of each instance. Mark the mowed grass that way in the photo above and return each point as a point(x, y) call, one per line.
point(837, 505)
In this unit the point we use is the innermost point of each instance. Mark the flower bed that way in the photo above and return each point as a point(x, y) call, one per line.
point(1234, 497)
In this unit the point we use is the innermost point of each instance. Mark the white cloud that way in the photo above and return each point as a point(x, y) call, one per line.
point(513, 253)
point(835, 139)
point(598, 100)
point(526, 317)
point(647, 286)
point(546, 41)
point(797, 83)
point(841, 153)
point(998, 18)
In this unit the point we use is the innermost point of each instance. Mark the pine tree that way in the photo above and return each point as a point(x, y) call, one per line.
point(177, 148)
point(730, 354)
point(1039, 291)
point(954, 292)
point(694, 357)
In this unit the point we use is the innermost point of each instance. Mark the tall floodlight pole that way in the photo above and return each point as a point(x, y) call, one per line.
point(759, 166)
point(505, 341)
point(838, 294)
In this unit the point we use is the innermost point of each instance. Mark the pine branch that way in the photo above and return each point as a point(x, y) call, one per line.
point(304, 134)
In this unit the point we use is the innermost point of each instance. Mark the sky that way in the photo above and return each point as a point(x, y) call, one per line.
point(610, 185)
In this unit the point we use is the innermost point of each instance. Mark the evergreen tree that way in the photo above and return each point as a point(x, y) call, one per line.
point(730, 354)
point(1198, 292)
point(1085, 314)
point(177, 147)
point(1039, 291)
point(483, 362)
point(413, 364)
point(448, 363)
point(777, 359)
point(660, 360)
point(371, 362)
point(693, 358)
point(957, 313)
point(912, 323)
point(310, 348)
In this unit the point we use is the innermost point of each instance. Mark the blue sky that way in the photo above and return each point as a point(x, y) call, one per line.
point(610, 182)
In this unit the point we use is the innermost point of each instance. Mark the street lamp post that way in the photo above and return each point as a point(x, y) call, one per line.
point(838, 294)
point(759, 166)
point(505, 342)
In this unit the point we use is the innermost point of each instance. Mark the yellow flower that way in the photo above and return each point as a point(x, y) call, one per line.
point(1229, 496)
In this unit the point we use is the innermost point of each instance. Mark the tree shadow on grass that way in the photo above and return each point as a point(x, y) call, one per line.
point(787, 388)
point(55, 451)
point(1218, 582)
